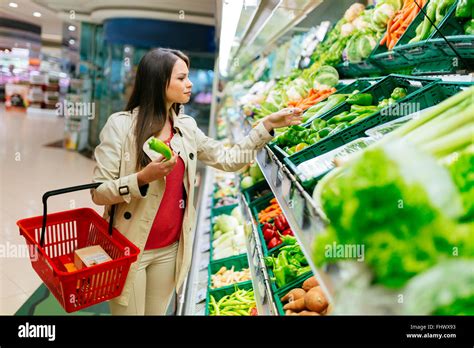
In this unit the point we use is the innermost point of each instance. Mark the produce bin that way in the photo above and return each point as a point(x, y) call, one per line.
point(361, 84)
point(221, 292)
point(425, 50)
point(252, 192)
point(214, 213)
point(380, 90)
point(288, 286)
point(255, 208)
point(388, 60)
point(426, 97)
point(463, 44)
point(364, 68)
point(239, 262)
point(298, 283)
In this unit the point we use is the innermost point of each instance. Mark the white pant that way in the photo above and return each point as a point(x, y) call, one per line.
point(154, 284)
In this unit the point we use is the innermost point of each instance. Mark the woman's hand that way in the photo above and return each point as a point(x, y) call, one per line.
point(283, 118)
point(156, 170)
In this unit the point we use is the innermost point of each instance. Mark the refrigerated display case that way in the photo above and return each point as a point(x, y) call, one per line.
point(379, 94)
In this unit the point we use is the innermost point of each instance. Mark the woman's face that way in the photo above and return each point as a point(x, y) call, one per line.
point(179, 89)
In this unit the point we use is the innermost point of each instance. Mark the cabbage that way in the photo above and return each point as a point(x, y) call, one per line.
point(347, 29)
point(381, 16)
point(255, 172)
point(293, 94)
point(326, 77)
point(226, 223)
point(237, 213)
point(360, 46)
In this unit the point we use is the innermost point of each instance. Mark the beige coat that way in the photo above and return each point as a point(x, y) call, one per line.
point(134, 215)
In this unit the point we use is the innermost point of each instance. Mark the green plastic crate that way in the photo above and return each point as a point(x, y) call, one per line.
point(298, 283)
point(388, 60)
point(255, 208)
point(271, 275)
point(426, 97)
point(251, 193)
point(424, 50)
point(380, 90)
point(361, 84)
point(239, 262)
point(221, 292)
point(214, 213)
point(463, 44)
point(441, 67)
point(364, 68)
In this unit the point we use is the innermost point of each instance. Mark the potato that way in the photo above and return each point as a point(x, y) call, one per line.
point(310, 283)
point(306, 313)
point(315, 300)
point(293, 295)
point(296, 306)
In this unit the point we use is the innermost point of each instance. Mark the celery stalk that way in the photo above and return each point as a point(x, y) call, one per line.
point(440, 126)
point(455, 141)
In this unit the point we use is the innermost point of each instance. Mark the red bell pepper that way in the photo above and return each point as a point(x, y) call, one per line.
point(253, 311)
point(287, 232)
point(284, 221)
point(275, 241)
point(268, 234)
point(278, 223)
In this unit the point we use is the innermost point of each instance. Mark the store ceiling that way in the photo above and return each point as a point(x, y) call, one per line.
point(191, 11)
point(55, 12)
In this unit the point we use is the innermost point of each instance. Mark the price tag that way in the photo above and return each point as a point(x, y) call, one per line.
point(203, 264)
point(286, 188)
point(252, 243)
point(298, 203)
point(256, 259)
point(261, 286)
point(205, 247)
point(279, 177)
point(201, 295)
point(273, 173)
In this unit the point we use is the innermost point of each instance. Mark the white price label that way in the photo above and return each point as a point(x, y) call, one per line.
point(203, 264)
point(201, 295)
point(286, 189)
point(256, 263)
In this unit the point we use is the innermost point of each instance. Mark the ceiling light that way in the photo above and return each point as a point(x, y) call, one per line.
point(36, 14)
point(71, 28)
point(13, 4)
point(231, 11)
point(72, 41)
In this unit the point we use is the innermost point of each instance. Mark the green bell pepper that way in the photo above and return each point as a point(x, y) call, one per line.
point(360, 99)
point(398, 93)
point(464, 9)
point(334, 119)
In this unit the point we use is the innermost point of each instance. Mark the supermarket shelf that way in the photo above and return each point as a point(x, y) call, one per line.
point(258, 271)
point(299, 209)
point(193, 301)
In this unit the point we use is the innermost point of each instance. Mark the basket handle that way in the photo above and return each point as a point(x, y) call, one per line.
point(67, 190)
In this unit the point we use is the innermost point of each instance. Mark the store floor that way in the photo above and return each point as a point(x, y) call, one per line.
point(28, 168)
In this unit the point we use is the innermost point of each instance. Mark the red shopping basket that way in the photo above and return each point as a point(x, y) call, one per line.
point(52, 236)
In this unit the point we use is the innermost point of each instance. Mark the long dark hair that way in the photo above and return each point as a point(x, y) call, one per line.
point(149, 94)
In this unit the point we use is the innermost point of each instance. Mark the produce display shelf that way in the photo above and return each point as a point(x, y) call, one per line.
point(302, 214)
point(379, 90)
point(258, 271)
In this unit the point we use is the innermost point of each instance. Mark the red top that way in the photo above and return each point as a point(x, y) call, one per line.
point(166, 227)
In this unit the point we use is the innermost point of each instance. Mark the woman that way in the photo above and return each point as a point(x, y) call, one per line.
point(154, 199)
